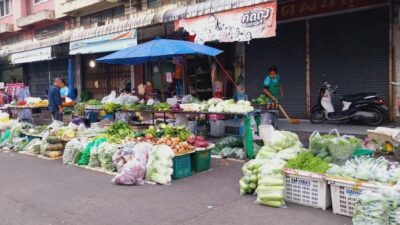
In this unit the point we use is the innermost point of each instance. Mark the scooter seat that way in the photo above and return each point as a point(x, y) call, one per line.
point(356, 97)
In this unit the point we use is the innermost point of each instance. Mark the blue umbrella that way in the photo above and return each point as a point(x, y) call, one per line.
point(71, 93)
point(156, 50)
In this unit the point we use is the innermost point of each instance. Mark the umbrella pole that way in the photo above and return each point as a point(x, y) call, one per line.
point(162, 82)
point(225, 72)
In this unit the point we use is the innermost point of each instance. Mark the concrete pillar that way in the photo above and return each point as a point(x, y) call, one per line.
point(396, 57)
point(78, 75)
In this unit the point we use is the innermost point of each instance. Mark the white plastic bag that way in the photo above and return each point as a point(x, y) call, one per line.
point(131, 173)
point(110, 98)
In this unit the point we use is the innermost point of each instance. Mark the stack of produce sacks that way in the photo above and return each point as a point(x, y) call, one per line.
point(131, 163)
point(54, 147)
point(380, 207)
point(271, 187)
point(159, 166)
point(266, 170)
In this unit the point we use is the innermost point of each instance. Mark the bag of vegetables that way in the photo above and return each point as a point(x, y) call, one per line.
point(106, 152)
point(342, 148)
point(248, 183)
point(271, 186)
point(131, 173)
point(283, 139)
point(319, 143)
point(70, 150)
point(33, 146)
point(371, 209)
point(159, 166)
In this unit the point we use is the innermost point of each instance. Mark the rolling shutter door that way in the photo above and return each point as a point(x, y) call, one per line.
point(351, 51)
point(39, 75)
point(287, 52)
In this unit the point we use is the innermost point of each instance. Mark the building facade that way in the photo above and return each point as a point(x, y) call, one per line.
point(352, 44)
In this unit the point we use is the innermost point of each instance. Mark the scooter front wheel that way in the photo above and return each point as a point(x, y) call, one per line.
point(317, 117)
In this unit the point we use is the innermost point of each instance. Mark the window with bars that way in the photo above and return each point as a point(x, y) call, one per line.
point(5, 8)
point(103, 15)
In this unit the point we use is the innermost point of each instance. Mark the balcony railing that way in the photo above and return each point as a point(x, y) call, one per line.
point(6, 27)
point(36, 17)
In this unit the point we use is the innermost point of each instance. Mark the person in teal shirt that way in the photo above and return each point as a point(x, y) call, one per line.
point(64, 91)
point(272, 86)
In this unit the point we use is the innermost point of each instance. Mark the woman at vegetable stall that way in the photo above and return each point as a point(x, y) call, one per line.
point(272, 87)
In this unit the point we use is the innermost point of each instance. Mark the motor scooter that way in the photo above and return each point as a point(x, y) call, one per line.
point(366, 107)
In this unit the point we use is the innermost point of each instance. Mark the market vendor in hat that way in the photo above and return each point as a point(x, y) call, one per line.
point(272, 86)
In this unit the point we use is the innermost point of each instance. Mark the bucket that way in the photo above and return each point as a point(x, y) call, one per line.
point(266, 132)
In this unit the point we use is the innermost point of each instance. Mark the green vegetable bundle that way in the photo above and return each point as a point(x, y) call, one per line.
point(307, 162)
point(371, 208)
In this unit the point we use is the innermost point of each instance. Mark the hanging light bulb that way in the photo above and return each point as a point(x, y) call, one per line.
point(92, 63)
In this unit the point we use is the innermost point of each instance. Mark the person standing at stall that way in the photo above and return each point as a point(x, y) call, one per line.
point(22, 93)
point(55, 102)
point(272, 86)
point(64, 91)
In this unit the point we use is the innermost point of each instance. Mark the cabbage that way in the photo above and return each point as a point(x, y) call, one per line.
point(159, 165)
point(283, 139)
point(290, 153)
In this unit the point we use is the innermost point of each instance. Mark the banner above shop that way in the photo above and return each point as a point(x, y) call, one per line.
point(242, 24)
point(40, 54)
point(105, 43)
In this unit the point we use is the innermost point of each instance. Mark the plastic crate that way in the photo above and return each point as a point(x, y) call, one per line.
point(307, 188)
point(344, 194)
point(182, 166)
point(201, 159)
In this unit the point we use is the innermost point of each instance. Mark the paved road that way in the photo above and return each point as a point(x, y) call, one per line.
point(40, 192)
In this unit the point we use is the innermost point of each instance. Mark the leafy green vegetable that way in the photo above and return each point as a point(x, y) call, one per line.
point(163, 107)
point(120, 130)
point(307, 162)
point(94, 102)
point(111, 107)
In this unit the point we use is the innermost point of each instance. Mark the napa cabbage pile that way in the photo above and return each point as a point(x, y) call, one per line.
point(230, 106)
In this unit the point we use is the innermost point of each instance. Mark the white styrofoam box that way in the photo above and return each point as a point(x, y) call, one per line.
point(217, 128)
point(307, 188)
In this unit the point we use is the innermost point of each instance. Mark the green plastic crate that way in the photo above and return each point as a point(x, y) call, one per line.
point(361, 151)
point(182, 167)
point(201, 160)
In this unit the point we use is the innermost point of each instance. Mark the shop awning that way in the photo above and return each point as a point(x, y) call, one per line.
point(241, 24)
point(207, 7)
point(35, 55)
point(105, 43)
